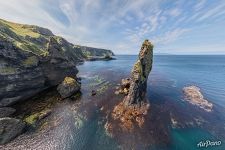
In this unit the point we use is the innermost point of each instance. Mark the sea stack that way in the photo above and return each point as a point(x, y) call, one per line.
point(134, 107)
point(139, 75)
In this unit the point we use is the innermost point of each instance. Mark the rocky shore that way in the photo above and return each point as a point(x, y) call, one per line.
point(32, 60)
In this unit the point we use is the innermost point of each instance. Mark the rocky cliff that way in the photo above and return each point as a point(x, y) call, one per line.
point(33, 59)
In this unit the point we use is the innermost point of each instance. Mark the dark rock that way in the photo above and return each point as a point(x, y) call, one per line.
point(102, 58)
point(139, 75)
point(68, 87)
point(23, 74)
point(6, 111)
point(93, 92)
point(10, 128)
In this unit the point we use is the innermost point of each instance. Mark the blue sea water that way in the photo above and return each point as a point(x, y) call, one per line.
point(204, 71)
point(169, 75)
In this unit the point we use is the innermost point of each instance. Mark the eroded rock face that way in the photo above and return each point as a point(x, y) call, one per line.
point(24, 74)
point(10, 128)
point(139, 75)
point(68, 87)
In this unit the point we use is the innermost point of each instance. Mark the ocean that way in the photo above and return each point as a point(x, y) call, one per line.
point(169, 75)
point(172, 123)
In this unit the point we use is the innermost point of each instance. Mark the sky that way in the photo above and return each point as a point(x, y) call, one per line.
point(173, 26)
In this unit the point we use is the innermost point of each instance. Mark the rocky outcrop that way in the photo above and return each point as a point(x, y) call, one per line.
point(24, 74)
point(68, 87)
point(135, 87)
point(195, 97)
point(139, 75)
point(132, 110)
point(10, 128)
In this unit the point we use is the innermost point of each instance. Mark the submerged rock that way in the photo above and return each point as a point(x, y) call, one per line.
point(129, 116)
point(195, 97)
point(68, 87)
point(10, 128)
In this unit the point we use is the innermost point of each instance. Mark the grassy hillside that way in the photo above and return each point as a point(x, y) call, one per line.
point(35, 39)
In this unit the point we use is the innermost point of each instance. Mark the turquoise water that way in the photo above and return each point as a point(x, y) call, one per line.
point(169, 75)
point(185, 139)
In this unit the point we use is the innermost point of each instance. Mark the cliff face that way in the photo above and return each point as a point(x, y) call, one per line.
point(89, 51)
point(33, 59)
point(23, 74)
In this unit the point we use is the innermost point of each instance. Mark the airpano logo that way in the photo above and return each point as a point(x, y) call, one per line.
point(208, 143)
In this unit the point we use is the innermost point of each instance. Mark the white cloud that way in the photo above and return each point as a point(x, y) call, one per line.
point(169, 36)
point(212, 12)
point(174, 12)
point(117, 25)
point(199, 5)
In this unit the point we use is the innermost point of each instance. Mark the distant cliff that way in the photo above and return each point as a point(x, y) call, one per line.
point(33, 59)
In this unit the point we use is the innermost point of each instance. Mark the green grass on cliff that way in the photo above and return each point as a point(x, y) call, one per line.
point(34, 39)
point(20, 29)
point(22, 36)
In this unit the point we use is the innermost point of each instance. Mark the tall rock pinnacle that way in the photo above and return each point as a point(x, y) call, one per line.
point(139, 75)
point(134, 107)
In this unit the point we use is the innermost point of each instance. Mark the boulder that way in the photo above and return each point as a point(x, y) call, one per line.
point(10, 128)
point(68, 87)
point(6, 111)
point(139, 75)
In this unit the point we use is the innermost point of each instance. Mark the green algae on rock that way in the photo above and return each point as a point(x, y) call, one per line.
point(68, 87)
point(32, 119)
